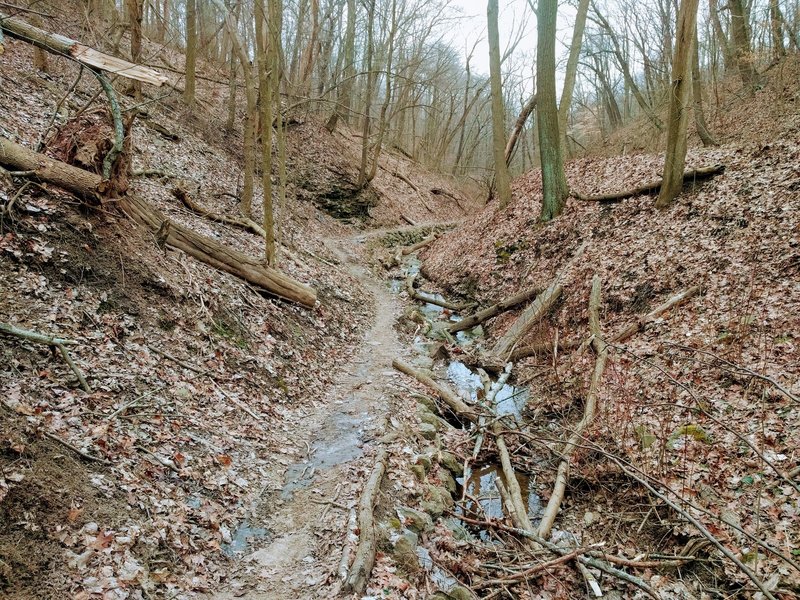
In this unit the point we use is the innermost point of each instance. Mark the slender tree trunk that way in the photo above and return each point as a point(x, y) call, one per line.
point(502, 178)
point(387, 94)
point(728, 58)
point(679, 104)
point(365, 128)
point(776, 26)
point(191, 52)
point(344, 105)
point(571, 72)
point(741, 45)
point(699, 114)
point(554, 182)
point(135, 23)
point(265, 82)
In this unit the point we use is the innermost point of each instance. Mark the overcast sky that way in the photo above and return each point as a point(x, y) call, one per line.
point(512, 15)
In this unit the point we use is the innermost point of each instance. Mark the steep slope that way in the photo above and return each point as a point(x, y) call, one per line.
point(703, 401)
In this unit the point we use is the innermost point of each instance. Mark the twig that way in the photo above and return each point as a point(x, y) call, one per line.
point(179, 362)
point(700, 527)
point(164, 462)
point(75, 449)
point(56, 342)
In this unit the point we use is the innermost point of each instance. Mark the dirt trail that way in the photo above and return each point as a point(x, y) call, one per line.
point(303, 512)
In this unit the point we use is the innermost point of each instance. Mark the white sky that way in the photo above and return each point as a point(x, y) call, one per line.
point(512, 14)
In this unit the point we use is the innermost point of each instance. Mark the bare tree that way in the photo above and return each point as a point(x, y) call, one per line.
point(679, 104)
point(554, 182)
point(501, 175)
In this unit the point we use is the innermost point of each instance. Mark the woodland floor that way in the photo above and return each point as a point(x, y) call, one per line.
point(228, 435)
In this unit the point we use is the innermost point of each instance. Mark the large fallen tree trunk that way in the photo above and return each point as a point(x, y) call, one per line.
point(364, 560)
point(530, 316)
point(651, 187)
point(494, 310)
point(88, 185)
point(58, 44)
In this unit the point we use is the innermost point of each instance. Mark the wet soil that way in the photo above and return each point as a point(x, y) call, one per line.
point(291, 545)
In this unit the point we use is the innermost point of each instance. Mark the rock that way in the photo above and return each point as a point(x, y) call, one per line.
point(438, 351)
point(405, 553)
point(451, 462)
point(415, 520)
point(439, 500)
point(427, 402)
point(419, 472)
point(447, 480)
point(459, 592)
point(424, 460)
point(427, 431)
point(428, 417)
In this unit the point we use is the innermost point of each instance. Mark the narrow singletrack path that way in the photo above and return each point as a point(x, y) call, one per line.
point(304, 510)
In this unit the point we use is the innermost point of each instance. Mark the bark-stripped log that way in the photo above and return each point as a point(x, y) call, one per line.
point(59, 44)
point(454, 403)
point(641, 323)
point(492, 311)
point(530, 316)
point(549, 515)
point(88, 185)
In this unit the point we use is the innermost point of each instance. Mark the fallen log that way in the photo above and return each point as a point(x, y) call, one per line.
point(492, 311)
point(600, 347)
point(364, 558)
point(59, 44)
point(411, 249)
point(442, 192)
point(242, 223)
point(454, 403)
point(430, 298)
point(90, 186)
point(650, 187)
point(641, 323)
point(530, 316)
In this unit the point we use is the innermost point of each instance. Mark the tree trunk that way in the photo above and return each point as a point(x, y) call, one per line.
point(554, 182)
point(135, 24)
point(502, 178)
point(266, 81)
point(776, 26)
point(191, 52)
point(699, 114)
point(365, 128)
point(90, 186)
point(679, 104)
point(741, 46)
point(526, 111)
point(85, 55)
point(571, 72)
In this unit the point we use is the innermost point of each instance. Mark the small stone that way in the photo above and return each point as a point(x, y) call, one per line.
point(590, 517)
point(450, 462)
point(424, 460)
point(427, 431)
point(415, 520)
point(419, 472)
point(459, 592)
point(447, 480)
point(428, 417)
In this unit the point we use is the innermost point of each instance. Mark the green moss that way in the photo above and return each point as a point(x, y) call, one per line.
point(693, 431)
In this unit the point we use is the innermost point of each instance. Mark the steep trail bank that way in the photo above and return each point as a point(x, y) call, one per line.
point(297, 529)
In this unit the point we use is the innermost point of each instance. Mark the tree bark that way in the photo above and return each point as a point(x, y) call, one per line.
point(58, 44)
point(502, 178)
point(492, 311)
point(651, 187)
point(89, 186)
point(741, 46)
point(191, 52)
point(529, 317)
point(571, 72)
point(697, 98)
point(554, 181)
point(524, 114)
point(679, 103)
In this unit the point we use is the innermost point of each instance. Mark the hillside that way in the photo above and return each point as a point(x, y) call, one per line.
point(172, 430)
